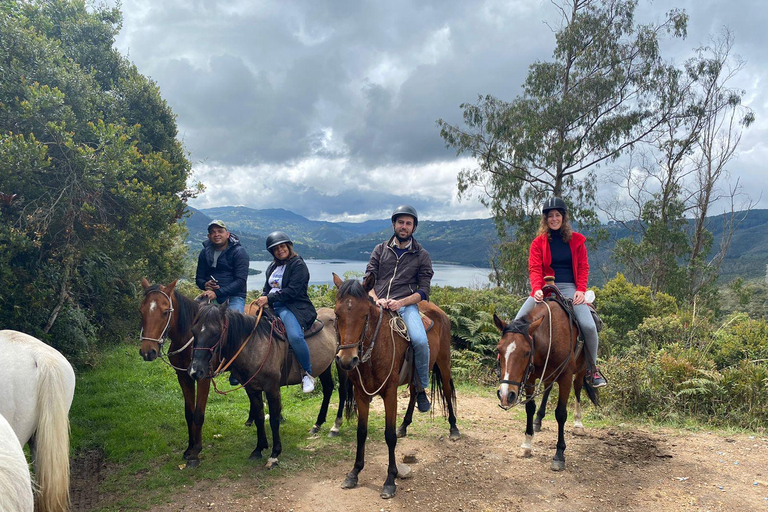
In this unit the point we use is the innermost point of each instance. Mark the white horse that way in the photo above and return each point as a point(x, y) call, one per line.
point(15, 483)
point(38, 385)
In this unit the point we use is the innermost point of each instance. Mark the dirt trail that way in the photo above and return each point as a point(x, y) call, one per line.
point(616, 469)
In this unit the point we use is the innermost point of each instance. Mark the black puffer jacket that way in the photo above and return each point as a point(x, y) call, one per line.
point(293, 293)
point(397, 279)
point(231, 270)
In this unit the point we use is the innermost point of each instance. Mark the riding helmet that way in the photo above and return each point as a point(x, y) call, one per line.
point(554, 203)
point(406, 209)
point(276, 238)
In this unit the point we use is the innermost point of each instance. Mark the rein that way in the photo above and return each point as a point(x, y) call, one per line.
point(161, 341)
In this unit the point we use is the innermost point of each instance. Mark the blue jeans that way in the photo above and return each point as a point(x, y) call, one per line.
point(419, 341)
point(295, 335)
point(583, 317)
point(236, 304)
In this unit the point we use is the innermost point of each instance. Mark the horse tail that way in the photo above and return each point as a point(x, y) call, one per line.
point(51, 446)
point(350, 407)
point(591, 393)
point(437, 387)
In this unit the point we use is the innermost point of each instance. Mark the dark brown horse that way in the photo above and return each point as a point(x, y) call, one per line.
point(542, 345)
point(258, 360)
point(167, 314)
point(373, 352)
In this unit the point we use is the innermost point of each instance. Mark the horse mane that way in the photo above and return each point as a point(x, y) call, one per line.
point(352, 288)
point(518, 326)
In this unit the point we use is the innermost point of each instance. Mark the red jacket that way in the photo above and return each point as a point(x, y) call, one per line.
point(540, 262)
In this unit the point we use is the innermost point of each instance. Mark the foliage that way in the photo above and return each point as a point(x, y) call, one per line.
point(88, 146)
point(749, 297)
point(599, 94)
point(740, 339)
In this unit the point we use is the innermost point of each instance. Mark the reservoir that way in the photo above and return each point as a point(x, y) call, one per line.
point(320, 272)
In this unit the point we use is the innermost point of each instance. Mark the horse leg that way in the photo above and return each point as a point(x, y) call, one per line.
point(526, 449)
point(578, 427)
point(187, 385)
point(252, 413)
point(198, 418)
point(363, 407)
point(542, 410)
point(257, 407)
point(390, 422)
point(345, 388)
point(561, 415)
point(275, 403)
point(326, 380)
point(402, 430)
point(442, 374)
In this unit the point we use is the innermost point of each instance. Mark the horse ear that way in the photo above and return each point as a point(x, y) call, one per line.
point(337, 282)
point(535, 324)
point(169, 288)
point(144, 283)
point(223, 307)
point(499, 322)
point(368, 282)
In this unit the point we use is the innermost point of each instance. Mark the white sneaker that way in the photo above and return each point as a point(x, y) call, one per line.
point(308, 383)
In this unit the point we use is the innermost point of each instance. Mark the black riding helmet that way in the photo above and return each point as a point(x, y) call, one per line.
point(554, 203)
point(276, 238)
point(406, 209)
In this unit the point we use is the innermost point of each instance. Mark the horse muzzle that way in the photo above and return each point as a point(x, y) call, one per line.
point(347, 363)
point(148, 354)
point(197, 370)
point(507, 398)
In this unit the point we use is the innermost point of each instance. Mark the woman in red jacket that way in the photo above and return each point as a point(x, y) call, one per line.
point(561, 252)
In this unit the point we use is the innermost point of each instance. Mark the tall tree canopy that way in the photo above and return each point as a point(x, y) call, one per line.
point(92, 175)
point(597, 96)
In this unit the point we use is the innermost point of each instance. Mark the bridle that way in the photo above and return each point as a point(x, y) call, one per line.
point(359, 344)
point(164, 334)
point(219, 342)
point(526, 374)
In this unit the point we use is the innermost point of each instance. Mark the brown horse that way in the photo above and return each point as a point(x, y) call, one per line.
point(542, 345)
point(165, 313)
point(258, 360)
point(373, 352)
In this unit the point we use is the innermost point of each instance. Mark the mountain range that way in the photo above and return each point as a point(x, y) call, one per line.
point(464, 242)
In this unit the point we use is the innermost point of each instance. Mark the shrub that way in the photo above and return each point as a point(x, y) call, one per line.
point(623, 305)
point(741, 338)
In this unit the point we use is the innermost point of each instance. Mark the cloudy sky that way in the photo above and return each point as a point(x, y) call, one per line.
point(328, 108)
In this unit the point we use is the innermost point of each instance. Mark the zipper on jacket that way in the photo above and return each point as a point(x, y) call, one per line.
point(397, 258)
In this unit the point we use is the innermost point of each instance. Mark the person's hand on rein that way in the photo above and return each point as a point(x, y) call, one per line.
point(538, 296)
point(262, 301)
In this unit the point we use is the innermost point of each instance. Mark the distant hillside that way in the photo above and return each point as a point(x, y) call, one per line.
point(465, 242)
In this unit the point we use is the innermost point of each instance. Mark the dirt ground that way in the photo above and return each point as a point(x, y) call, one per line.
point(609, 469)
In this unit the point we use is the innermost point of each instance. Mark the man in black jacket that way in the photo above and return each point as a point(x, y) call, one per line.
point(403, 272)
point(222, 267)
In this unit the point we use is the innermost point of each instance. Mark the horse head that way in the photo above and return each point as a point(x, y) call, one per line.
point(210, 333)
point(157, 311)
point(515, 357)
point(353, 309)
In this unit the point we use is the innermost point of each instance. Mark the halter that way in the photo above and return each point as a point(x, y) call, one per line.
point(164, 334)
point(359, 344)
point(218, 343)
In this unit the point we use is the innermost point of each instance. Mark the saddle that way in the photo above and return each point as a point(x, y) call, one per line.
point(552, 293)
point(407, 370)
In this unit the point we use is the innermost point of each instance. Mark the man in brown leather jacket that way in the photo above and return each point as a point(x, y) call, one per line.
point(403, 272)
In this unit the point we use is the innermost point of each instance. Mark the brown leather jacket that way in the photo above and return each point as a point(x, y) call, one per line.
point(399, 278)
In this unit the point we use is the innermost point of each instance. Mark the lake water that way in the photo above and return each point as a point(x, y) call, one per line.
point(320, 273)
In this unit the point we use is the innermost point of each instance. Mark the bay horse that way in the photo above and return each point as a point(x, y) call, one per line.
point(258, 360)
point(542, 345)
point(35, 397)
point(15, 482)
point(374, 354)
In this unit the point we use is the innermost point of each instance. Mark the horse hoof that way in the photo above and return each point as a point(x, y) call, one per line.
point(271, 463)
point(314, 430)
point(558, 465)
point(579, 431)
point(455, 434)
point(525, 453)
point(388, 491)
point(249, 423)
point(401, 432)
point(255, 455)
point(193, 463)
point(349, 483)
point(334, 433)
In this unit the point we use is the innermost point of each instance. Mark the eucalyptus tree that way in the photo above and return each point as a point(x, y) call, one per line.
point(596, 97)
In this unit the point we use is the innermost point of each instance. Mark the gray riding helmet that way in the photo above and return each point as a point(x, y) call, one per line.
point(553, 203)
point(276, 238)
point(406, 209)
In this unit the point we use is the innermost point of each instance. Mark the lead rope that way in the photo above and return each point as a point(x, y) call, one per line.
point(549, 350)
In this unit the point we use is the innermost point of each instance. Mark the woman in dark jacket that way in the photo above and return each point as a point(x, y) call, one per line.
point(286, 292)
